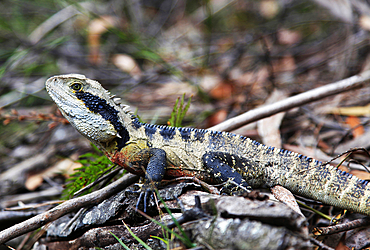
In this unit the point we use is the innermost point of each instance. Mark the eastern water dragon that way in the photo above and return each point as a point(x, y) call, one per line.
point(211, 156)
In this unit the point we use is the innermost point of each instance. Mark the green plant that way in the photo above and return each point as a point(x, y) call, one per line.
point(179, 111)
point(120, 241)
point(166, 231)
point(184, 237)
point(94, 164)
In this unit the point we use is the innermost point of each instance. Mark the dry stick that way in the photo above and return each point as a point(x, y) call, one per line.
point(362, 222)
point(53, 22)
point(67, 207)
point(350, 83)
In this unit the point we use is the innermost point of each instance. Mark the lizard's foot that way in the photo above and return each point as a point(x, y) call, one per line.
point(146, 195)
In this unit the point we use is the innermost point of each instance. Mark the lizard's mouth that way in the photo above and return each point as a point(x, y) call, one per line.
point(64, 103)
point(50, 88)
point(59, 99)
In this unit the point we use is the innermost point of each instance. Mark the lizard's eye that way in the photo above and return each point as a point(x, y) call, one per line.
point(76, 86)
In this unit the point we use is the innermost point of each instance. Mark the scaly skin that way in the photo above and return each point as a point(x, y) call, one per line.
point(211, 156)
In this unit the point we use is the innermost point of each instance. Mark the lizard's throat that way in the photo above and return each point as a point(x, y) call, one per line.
point(100, 106)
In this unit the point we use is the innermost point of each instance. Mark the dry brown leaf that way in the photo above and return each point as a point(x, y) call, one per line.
point(127, 64)
point(6, 122)
point(249, 78)
point(341, 244)
point(289, 37)
point(269, 8)
point(284, 195)
point(65, 166)
point(208, 82)
point(170, 89)
point(323, 145)
point(222, 91)
point(364, 22)
point(53, 125)
point(344, 168)
point(217, 117)
point(269, 128)
point(34, 181)
point(361, 174)
point(354, 122)
point(96, 28)
point(286, 63)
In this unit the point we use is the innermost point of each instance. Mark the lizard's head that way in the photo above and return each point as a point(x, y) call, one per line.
point(87, 106)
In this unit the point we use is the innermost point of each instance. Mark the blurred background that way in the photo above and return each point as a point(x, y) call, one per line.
point(231, 56)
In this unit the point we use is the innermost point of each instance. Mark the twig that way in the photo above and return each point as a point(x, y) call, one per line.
point(342, 227)
point(211, 189)
point(103, 177)
point(320, 244)
point(66, 207)
point(350, 83)
point(52, 22)
point(33, 206)
point(17, 174)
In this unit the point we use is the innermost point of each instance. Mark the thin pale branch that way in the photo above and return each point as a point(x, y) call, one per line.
point(53, 22)
point(350, 83)
point(67, 207)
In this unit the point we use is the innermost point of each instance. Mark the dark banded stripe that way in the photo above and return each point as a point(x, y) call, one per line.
point(100, 106)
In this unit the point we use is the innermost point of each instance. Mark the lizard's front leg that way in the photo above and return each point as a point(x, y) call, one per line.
point(225, 168)
point(153, 162)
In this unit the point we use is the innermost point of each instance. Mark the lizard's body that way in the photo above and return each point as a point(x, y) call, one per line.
point(208, 155)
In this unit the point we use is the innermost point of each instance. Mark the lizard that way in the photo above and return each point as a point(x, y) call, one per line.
point(159, 151)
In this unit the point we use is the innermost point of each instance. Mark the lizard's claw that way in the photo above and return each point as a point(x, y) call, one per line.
point(146, 194)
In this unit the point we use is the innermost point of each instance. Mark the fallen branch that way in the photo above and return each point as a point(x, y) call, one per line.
point(67, 207)
point(350, 83)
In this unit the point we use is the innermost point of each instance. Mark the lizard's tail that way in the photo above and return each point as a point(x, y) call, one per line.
point(322, 182)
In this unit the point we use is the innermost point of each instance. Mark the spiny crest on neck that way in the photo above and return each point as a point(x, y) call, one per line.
point(125, 108)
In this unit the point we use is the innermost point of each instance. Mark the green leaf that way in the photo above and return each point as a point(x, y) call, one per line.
point(184, 238)
point(159, 238)
point(171, 121)
point(120, 241)
point(179, 111)
point(137, 238)
point(93, 166)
